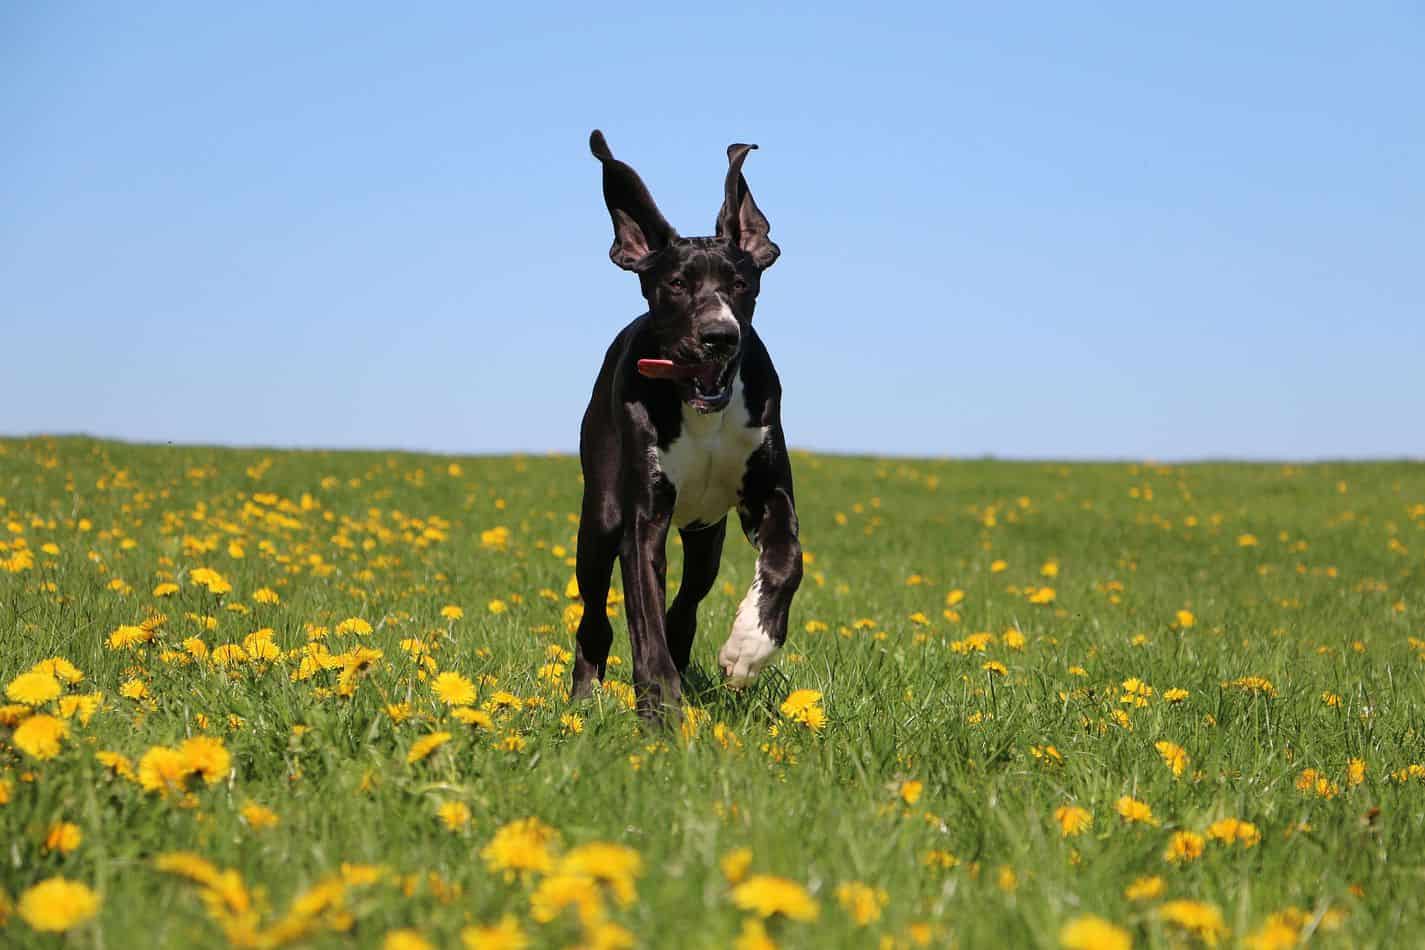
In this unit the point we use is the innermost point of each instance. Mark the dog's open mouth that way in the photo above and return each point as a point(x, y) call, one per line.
point(707, 387)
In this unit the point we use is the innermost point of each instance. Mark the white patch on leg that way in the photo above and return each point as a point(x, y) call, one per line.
point(749, 646)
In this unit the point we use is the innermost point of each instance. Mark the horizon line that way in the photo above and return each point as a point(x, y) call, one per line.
point(1403, 459)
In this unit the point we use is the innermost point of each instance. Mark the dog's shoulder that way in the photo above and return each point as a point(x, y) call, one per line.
point(761, 387)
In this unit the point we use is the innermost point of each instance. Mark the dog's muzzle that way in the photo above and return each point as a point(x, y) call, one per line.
point(706, 386)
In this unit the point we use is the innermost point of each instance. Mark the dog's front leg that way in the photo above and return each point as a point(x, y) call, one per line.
point(760, 626)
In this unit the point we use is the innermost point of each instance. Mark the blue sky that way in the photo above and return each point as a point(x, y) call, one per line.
point(1066, 230)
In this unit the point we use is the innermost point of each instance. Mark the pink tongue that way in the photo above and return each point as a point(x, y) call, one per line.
point(667, 369)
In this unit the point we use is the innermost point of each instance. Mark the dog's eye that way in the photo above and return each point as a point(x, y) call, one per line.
point(739, 285)
point(678, 284)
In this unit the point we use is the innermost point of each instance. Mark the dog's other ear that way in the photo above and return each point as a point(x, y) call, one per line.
point(740, 220)
point(639, 228)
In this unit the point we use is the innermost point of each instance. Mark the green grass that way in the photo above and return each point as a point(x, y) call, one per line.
point(1325, 602)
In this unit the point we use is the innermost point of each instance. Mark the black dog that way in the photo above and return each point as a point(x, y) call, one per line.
point(684, 424)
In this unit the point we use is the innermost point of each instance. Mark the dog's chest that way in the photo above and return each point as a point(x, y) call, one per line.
point(707, 461)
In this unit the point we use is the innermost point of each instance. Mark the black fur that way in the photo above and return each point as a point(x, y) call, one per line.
point(690, 285)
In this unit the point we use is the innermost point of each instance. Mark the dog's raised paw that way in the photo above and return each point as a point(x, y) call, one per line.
point(749, 646)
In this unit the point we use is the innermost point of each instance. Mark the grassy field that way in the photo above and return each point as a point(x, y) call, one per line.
point(310, 698)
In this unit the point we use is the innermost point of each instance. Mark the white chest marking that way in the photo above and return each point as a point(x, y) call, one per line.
point(707, 460)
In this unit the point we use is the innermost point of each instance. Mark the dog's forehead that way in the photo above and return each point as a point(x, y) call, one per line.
point(705, 254)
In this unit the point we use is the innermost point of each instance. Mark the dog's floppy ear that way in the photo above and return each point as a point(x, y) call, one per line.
point(639, 228)
point(740, 220)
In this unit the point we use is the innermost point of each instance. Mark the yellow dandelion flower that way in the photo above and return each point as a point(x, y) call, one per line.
point(33, 689)
point(162, 770)
point(939, 860)
point(522, 846)
point(63, 836)
point(227, 654)
point(1047, 755)
point(1145, 888)
point(425, 745)
point(1175, 695)
point(1184, 619)
point(753, 936)
point(40, 736)
point(1276, 934)
point(1203, 921)
point(497, 606)
point(60, 668)
point(1183, 847)
point(57, 904)
point(1257, 685)
point(259, 817)
point(1311, 781)
point(266, 595)
point(362, 875)
point(910, 791)
point(166, 589)
point(206, 757)
point(559, 891)
point(1234, 830)
point(802, 706)
point(454, 815)
point(210, 579)
point(354, 625)
point(1133, 811)
point(506, 935)
point(84, 707)
point(453, 689)
point(767, 895)
point(260, 648)
point(861, 902)
point(572, 723)
point(1093, 933)
point(735, 863)
point(1175, 757)
point(508, 702)
point(451, 612)
point(614, 865)
point(117, 763)
point(1355, 772)
point(127, 636)
point(1072, 820)
point(473, 717)
point(134, 688)
point(405, 939)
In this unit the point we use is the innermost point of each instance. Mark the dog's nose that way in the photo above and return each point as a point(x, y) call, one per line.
point(721, 337)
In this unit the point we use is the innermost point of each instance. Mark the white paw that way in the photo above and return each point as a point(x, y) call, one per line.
point(749, 647)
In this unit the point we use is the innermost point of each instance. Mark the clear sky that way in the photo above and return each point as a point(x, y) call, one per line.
point(1058, 230)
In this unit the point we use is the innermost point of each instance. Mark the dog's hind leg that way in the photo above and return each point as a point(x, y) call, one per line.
point(702, 554)
point(598, 546)
point(643, 560)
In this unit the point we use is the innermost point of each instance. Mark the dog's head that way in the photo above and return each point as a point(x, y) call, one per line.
point(701, 291)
